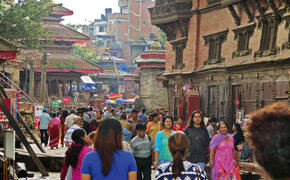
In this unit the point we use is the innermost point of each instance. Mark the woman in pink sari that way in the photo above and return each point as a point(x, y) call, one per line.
point(53, 131)
point(222, 155)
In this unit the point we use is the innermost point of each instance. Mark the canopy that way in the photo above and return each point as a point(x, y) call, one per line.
point(87, 80)
point(120, 100)
point(110, 102)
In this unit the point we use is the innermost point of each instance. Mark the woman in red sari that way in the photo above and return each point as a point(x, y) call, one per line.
point(179, 126)
point(53, 131)
point(62, 117)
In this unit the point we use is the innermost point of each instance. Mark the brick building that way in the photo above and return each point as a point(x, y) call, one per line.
point(235, 53)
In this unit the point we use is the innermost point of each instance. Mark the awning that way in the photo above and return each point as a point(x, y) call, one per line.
point(8, 55)
point(87, 80)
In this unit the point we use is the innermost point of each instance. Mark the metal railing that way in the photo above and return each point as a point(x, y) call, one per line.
point(12, 85)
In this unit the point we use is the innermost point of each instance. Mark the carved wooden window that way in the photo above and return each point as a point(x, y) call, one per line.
point(179, 46)
point(269, 35)
point(243, 36)
point(286, 45)
point(214, 42)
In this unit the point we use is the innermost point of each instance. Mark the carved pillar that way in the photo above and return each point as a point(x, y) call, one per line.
point(31, 79)
point(43, 78)
point(258, 6)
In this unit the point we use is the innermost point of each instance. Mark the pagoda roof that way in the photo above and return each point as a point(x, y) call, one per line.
point(7, 46)
point(60, 10)
point(66, 62)
point(65, 33)
point(111, 73)
point(108, 58)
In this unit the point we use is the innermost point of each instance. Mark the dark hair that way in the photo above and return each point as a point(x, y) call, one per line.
point(54, 115)
point(180, 118)
point(134, 111)
point(143, 111)
point(121, 108)
point(163, 120)
point(92, 135)
point(268, 133)
point(190, 123)
point(239, 129)
point(113, 110)
point(90, 109)
point(178, 144)
point(72, 154)
point(140, 126)
point(65, 113)
point(154, 115)
point(109, 131)
point(123, 116)
point(79, 112)
point(100, 111)
point(213, 119)
point(222, 122)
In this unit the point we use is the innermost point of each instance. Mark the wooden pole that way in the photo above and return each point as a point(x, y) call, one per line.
point(23, 139)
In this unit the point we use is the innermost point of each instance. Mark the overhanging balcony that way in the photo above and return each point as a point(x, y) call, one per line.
point(167, 11)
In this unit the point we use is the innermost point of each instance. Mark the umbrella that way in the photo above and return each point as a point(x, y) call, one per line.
point(110, 102)
point(120, 100)
point(130, 100)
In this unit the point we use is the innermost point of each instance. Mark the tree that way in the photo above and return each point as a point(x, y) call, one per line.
point(22, 22)
point(85, 53)
point(162, 37)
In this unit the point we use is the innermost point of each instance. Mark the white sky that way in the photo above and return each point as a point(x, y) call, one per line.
point(85, 11)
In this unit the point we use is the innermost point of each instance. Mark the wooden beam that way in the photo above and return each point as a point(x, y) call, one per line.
point(272, 5)
point(258, 6)
point(20, 119)
point(23, 139)
point(235, 15)
point(247, 10)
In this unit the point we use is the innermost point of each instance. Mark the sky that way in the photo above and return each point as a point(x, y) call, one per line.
point(85, 11)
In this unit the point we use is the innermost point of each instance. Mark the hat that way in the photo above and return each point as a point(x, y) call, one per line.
point(128, 110)
point(44, 110)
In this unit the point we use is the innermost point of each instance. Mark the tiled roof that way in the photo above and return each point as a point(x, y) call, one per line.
point(107, 58)
point(6, 45)
point(111, 73)
point(66, 62)
point(65, 33)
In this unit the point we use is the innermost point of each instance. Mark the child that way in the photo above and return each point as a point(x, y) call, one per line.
point(142, 148)
point(91, 139)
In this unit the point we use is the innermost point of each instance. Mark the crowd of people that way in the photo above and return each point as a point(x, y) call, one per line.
point(127, 144)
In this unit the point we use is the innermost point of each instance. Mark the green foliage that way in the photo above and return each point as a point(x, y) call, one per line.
point(162, 37)
point(69, 65)
point(85, 53)
point(22, 23)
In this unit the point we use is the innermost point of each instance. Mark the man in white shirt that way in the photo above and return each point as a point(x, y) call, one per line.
point(77, 124)
point(69, 119)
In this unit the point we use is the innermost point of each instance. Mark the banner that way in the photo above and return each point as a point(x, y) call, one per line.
point(54, 104)
point(65, 100)
point(115, 96)
point(37, 112)
point(3, 119)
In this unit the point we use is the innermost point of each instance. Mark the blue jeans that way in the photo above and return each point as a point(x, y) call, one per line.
point(201, 165)
point(162, 162)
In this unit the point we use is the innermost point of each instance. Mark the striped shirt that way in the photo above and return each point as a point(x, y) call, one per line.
point(141, 148)
point(67, 137)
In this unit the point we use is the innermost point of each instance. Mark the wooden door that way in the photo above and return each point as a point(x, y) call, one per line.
point(223, 102)
point(212, 101)
point(266, 91)
point(249, 96)
point(282, 89)
point(236, 91)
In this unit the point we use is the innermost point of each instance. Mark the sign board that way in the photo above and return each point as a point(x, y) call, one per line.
point(37, 112)
point(3, 119)
point(54, 104)
point(9, 144)
point(65, 100)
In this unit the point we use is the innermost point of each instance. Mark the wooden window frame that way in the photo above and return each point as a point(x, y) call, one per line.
point(243, 35)
point(214, 43)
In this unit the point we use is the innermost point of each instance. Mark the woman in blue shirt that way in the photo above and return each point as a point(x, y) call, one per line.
point(109, 160)
point(162, 154)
